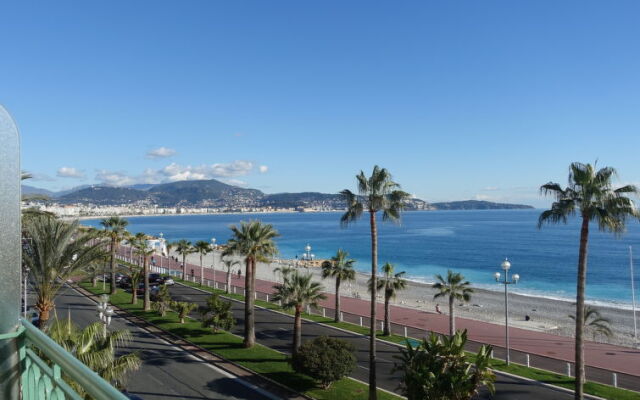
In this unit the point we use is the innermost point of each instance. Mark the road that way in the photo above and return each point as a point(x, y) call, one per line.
point(166, 372)
point(275, 330)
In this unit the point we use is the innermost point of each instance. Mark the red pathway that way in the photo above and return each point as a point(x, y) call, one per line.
point(609, 357)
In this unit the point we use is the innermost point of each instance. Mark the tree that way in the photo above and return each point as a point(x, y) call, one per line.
point(439, 369)
point(135, 275)
point(54, 250)
point(202, 248)
point(163, 301)
point(96, 351)
point(391, 284)
point(184, 248)
point(375, 193)
point(116, 227)
point(93, 270)
point(595, 322)
point(144, 251)
point(254, 241)
point(183, 308)
point(325, 359)
point(339, 267)
point(456, 288)
point(296, 292)
point(591, 193)
point(228, 264)
point(217, 314)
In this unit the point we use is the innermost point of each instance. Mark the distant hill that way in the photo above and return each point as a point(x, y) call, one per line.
point(477, 205)
point(203, 193)
point(104, 196)
point(30, 190)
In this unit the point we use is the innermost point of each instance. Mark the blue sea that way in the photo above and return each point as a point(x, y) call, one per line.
point(425, 243)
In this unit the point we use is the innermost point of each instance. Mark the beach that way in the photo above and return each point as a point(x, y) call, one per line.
point(546, 315)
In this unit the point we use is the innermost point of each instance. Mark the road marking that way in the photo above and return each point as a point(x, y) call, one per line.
point(191, 356)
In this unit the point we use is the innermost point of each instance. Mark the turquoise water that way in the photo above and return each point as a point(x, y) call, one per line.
point(471, 242)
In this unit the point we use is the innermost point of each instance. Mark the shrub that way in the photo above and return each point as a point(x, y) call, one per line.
point(183, 308)
point(217, 314)
point(325, 359)
point(163, 301)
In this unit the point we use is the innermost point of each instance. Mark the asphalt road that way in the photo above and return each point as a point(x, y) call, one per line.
point(167, 372)
point(275, 330)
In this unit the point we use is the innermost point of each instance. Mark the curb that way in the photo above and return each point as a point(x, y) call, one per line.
point(498, 372)
point(274, 388)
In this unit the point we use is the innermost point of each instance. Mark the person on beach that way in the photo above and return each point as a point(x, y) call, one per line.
point(438, 308)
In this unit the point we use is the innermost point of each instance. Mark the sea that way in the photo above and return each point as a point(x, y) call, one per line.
point(425, 243)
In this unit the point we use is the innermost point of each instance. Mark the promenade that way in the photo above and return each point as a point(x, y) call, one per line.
point(545, 350)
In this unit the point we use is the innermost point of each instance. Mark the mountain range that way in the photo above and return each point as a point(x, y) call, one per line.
point(215, 194)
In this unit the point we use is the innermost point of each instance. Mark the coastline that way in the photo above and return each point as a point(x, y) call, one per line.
point(546, 314)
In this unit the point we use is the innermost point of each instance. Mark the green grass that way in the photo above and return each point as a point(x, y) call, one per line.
point(596, 389)
point(260, 359)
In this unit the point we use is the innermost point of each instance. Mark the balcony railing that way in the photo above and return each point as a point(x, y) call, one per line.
point(43, 380)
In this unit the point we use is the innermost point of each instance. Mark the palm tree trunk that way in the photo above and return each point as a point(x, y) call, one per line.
point(249, 317)
point(184, 267)
point(297, 330)
point(201, 271)
point(44, 314)
point(134, 293)
point(387, 317)
point(113, 265)
point(94, 280)
point(373, 394)
point(452, 320)
point(337, 316)
point(147, 299)
point(228, 286)
point(582, 281)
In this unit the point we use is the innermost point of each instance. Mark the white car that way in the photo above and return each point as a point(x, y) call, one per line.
point(168, 281)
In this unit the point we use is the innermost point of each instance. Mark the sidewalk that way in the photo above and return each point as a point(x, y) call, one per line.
point(604, 356)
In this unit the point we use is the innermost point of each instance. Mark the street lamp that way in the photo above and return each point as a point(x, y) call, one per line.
point(105, 312)
point(307, 250)
point(506, 265)
point(213, 260)
point(26, 276)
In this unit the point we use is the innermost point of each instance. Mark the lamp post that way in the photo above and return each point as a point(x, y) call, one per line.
point(105, 312)
point(26, 276)
point(161, 252)
point(213, 260)
point(307, 252)
point(506, 265)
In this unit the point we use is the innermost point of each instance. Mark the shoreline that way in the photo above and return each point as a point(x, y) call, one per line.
point(546, 315)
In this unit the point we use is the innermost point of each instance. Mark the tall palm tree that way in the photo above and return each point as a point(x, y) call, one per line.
point(456, 288)
point(591, 193)
point(296, 292)
point(391, 284)
point(136, 240)
point(184, 248)
point(54, 251)
point(96, 351)
point(595, 322)
point(254, 241)
point(145, 252)
point(117, 228)
point(339, 267)
point(202, 248)
point(228, 264)
point(375, 193)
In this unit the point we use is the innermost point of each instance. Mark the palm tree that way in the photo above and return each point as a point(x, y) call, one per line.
point(116, 227)
point(145, 251)
point(339, 267)
point(229, 263)
point(54, 251)
point(376, 193)
point(136, 240)
point(456, 288)
point(136, 274)
point(203, 248)
point(254, 241)
point(391, 284)
point(296, 292)
point(592, 194)
point(184, 248)
point(595, 322)
point(96, 351)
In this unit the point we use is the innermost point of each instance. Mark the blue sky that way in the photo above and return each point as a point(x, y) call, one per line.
point(459, 100)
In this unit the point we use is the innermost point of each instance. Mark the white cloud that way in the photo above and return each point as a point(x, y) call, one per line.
point(483, 197)
point(263, 169)
point(70, 172)
point(490, 188)
point(160, 152)
point(177, 172)
point(41, 177)
point(235, 182)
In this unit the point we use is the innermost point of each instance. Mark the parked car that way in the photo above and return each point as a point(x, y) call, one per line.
point(155, 279)
point(167, 280)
